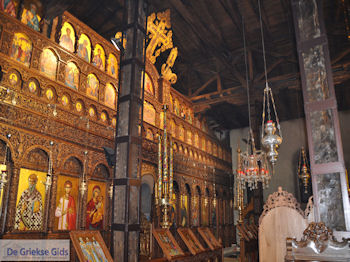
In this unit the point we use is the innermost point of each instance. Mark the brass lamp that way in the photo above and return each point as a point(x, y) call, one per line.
point(303, 169)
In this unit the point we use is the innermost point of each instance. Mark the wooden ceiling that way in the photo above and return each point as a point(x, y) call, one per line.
point(211, 66)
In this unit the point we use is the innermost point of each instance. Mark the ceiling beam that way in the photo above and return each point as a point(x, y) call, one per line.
point(269, 69)
point(195, 93)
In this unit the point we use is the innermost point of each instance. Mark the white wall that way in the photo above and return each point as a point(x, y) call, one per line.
point(294, 137)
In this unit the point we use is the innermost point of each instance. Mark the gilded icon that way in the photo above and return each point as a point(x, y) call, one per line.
point(78, 106)
point(64, 100)
point(32, 86)
point(184, 211)
point(95, 206)
point(30, 200)
point(99, 59)
point(9, 7)
point(112, 66)
point(13, 79)
point(92, 112)
point(21, 49)
point(149, 113)
point(66, 203)
point(92, 86)
point(48, 63)
point(49, 94)
point(72, 75)
point(31, 18)
point(67, 39)
point(84, 47)
point(103, 116)
point(114, 121)
point(110, 95)
point(148, 85)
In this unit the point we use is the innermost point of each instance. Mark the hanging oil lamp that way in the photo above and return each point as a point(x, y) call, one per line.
point(303, 169)
point(48, 181)
point(269, 138)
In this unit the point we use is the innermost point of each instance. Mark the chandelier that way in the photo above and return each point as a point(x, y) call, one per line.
point(164, 183)
point(303, 169)
point(251, 164)
point(271, 140)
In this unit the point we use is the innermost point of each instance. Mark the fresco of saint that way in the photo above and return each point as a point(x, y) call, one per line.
point(84, 48)
point(148, 85)
point(112, 66)
point(95, 210)
point(21, 49)
point(110, 95)
point(72, 76)
point(30, 204)
point(66, 209)
point(92, 86)
point(67, 39)
point(8, 6)
point(48, 63)
point(99, 57)
point(30, 17)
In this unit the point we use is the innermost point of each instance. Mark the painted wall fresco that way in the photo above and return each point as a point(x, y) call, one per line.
point(149, 85)
point(173, 128)
point(67, 39)
point(21, 49)
point(99, 59)
point(30, 200)
point(182, 133)
point(84, 48)
point(189, 137)
point(72, 76)
point(48, 63)
point(184, 211)
point(30, 17)
point(195, 211)
point(9, 7)
point(95, 210)
point(66, 203)
point(177, 107)
point(110, 95)
point(149, 113)
point(112, 66)
point(92, 86)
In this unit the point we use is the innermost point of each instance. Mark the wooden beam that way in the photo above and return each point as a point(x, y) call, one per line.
point(250, 63)
point(269, 69)
point(219, 84)
point(341, 56)
point(195, 93)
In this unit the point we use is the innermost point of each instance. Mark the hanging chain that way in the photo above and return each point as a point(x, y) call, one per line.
point(5, 157)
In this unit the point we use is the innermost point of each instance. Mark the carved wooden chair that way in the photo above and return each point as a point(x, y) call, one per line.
point(317, 244)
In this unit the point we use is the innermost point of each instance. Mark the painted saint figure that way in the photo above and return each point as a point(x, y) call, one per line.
point(30, 18)
point(66, 40)
point(97, 60)
point(94, 210)
point(8, 6)
point(83, 51)
point(29, 211)
point(66, 211)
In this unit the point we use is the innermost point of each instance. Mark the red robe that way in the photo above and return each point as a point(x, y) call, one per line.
point(71, 218)
point(90, 211)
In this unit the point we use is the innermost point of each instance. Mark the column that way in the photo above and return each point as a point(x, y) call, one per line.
point(127, 182)
point(331, 204)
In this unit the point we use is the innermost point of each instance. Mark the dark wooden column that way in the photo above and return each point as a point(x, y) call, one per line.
point(127, 181)
point(320, 105)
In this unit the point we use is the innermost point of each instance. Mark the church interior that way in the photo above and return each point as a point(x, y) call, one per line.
point(177, 130)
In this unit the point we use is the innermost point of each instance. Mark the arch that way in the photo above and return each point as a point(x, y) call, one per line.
point(101, 170)
point(186, 151)
point(177, 107)
point(72, 75)
point(182, 133)
point(5, 141)
point(48, 63)
point(80, 106)
point(92, 87)
point(149, 180)
point(181, 148)
point(198, 190)
point(196, 140)
point(191, 153)
point(66, 100)
point(175, 147)
point(203, 144)
point(93, 112)
point(37, 156)
point(110, 95)
point(99, 59)
point(67, 38)
point(148, 85)
point(112, 65)
point(161, 120)
point(84, 47)
point(187, 189)
point(33, 86)
point(21, 48)
point(14, 78)
point(189, 137)
point(173, 127)
point(104, 116)
point(73, 165)
point(149, 113)
point(149, 134)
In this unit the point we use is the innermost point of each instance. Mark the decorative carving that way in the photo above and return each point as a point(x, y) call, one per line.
point(166, 68)
point(317, 243)
point(280, 199)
